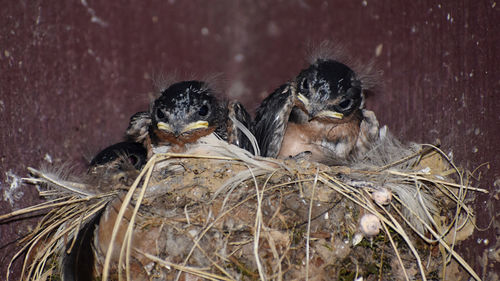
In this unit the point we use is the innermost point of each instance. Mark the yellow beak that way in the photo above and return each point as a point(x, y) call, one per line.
point(329, 114)
point(165, 127)
point(189, 127)
point(303, 99)
point(194, 126)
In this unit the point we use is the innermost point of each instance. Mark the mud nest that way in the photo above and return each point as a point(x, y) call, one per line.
point(231, 216)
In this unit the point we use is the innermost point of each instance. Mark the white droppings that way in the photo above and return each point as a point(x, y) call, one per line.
point(6, 53)
point(94, 18)
point(364, 3)
point(193, 232)
point(378, 49)
point(13, 192)
point(47, 158)
point(413, 29)
point(327, 216)
point(149, 267)
point(425, 170)
point(204, 31)
point(493, 5)
point(475, 149)
point(477, 131)
point(450, 155)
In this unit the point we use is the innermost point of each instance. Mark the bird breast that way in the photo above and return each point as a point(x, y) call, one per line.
point(326, 141)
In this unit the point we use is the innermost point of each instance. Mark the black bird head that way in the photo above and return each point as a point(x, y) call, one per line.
point(118, 163)
point(132, 152)
point(186, 111)
point(328, 90)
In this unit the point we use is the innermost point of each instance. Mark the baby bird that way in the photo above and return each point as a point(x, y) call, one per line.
point(185, 113)
point(318, 114)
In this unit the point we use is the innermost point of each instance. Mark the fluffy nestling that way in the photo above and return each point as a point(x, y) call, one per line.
point(185, 113)
point(318, 113)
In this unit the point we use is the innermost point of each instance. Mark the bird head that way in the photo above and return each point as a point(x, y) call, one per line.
point(328, 90)
point(185, 109)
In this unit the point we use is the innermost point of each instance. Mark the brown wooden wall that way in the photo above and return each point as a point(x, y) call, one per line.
point(72, 72)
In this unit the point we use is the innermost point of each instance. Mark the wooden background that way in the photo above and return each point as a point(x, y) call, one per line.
point(72, 73)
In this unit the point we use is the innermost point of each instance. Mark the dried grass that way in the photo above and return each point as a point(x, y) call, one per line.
point(232, 216)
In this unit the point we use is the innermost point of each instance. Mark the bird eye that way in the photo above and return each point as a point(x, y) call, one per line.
point(345, 104)
point(134, 160)
point(160, 114)
point(203, 110)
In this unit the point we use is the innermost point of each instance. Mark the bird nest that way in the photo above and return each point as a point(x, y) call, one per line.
point(397, 214)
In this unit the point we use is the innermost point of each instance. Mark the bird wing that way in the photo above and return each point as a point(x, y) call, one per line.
point(272, 118)
point(240, 128)
point(138, 128)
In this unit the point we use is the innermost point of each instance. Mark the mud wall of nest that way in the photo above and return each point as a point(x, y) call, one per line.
point(236, 217)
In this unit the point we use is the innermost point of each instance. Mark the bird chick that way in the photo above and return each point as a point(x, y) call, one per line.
point(116, 166)
point(119, 163)
point(185, 113)
point(319, 113)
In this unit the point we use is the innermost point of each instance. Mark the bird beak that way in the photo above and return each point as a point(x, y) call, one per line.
point(165, 127)
point(329, 114)
point(189, 127)
point(194, 126)
point(303, 99)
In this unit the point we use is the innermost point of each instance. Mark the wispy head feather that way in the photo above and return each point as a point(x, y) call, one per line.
point(366, 72)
